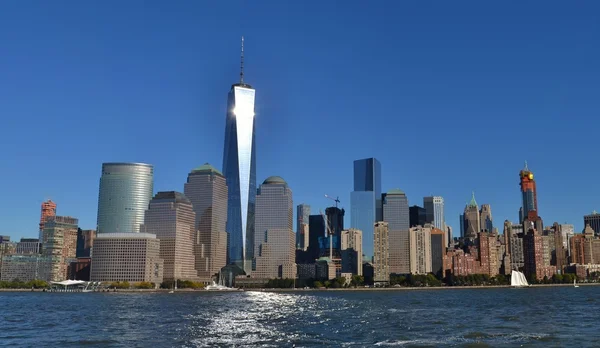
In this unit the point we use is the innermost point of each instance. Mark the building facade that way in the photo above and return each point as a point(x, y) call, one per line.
point(275, 238)
point(420, 249)
point(206, 188)
point(171, 218)
point(593, 220)
point(131, 257)
point(48, 211)
point(485, 218)
point(434, 211)
point(382, 255)
point(397, 214)
point(438, 250)
point(472, 222)
point(302, 229)
point(239, 168)
point(416, 216)
point(59, 247)
point(125, 192)
point(365, 200)
point(351, 241)
point(528, 194)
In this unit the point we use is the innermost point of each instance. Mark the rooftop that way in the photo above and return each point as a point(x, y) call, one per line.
point(178, 197)
point(274, 180)
point(395, 191)
point(206, 168)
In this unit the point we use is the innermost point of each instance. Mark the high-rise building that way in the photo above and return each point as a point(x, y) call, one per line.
point(438, 250)
point(302, 216)
point(529, 194)
point(420, 249)
point(59, 246)
point(382, 255)
point(352, 251)
point(239, 167)
point(171, 218)
point(434, 211)
point(85, 242)
point(485, 218)
point(130, 257)
point(48, 211)
point(206, 188)
point(593, 220)
point(488, 253)
point(416, 216)
point(450, 237)
point(125, 192)
point(275, 242)
point(365, 200)
point(472, 222)
point(397, 214)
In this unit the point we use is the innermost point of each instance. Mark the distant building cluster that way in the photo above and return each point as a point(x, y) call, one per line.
point(224, 227)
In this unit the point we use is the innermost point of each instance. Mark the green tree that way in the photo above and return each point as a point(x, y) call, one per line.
point(317, 284)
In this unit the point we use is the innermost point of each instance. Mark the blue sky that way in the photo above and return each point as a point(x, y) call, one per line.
point(451, 97)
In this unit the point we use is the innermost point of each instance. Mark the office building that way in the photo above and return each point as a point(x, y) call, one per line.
point(275, 238)
point(171, 218)
point(529, 195)
point(130, 257)
point(22, 267)
point(28, 246)
point(365, 201)
point(302, 229)
point(488, 253)
point(472, 222)
point(381, 257)
point(48, 211)
point(434, 211)
point(59, 247)
point(85, 242)
point(206, 188)
point(450, 240)
point(485, 218)
point(316, 230)
point(351, 244)
point(438, 250)
point(593, 220)
point(239, 167)
point(420, 249)
point(396, 214)
point(416, 216)
point(124, 195)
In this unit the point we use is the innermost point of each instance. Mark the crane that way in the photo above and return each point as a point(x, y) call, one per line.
point(336, 200)
point(329, 233)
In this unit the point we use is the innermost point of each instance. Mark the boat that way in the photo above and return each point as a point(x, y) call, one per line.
point(518, 280)
point(575, 283)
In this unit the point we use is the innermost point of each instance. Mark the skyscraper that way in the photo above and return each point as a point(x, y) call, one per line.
point(48, 211)
point(593, 220)
point(381, 257)
point(365, 201)
point(485, 218)
point(420, 249)
point(396, 214)
point(417, 216)
point(171, 218)
point(239, 167)
point(207, 190)
point(275, 238)
point(302, 216)
point(60, 246)
point(352, 251)
point(125, 192)
point(472, 222)
point(529, 194)
point(434, 211)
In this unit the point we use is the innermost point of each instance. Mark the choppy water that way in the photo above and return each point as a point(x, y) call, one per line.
point(544, 317)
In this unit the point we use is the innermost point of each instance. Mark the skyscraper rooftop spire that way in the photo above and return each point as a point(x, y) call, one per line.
point(525, 169)
point(473, 203)
point(242, 63)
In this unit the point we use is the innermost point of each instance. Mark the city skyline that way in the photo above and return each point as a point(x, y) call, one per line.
point(197, 103)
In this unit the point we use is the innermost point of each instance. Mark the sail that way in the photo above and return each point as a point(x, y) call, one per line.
point(518, 279)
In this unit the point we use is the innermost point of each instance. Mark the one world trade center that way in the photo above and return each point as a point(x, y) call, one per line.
point(239, 167)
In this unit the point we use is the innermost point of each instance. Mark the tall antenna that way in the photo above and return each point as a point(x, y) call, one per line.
point(242, 63)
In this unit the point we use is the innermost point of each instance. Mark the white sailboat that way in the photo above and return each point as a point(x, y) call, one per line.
point(575, 283)
point(518, 280)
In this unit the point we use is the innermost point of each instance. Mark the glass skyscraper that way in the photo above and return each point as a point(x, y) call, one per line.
point(396, 214)
point(434, 211)
point(239, 168)
point(365, 201)
point(125, 192)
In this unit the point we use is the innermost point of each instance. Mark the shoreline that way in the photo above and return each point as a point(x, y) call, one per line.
point(424, 288)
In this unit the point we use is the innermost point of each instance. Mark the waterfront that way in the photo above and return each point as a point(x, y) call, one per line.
point(545, 317)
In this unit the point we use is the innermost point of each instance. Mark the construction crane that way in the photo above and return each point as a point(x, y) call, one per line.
point(330, 234)
point(336, 200)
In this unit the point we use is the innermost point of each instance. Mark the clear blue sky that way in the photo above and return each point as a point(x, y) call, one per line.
point(451, 97)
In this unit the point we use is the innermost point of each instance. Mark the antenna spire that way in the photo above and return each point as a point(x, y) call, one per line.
point(526, 168)
point(242, 63)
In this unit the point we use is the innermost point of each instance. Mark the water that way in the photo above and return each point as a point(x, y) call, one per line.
point(542, 317)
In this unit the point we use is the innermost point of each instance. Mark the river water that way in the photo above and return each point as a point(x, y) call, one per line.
point(536, 317)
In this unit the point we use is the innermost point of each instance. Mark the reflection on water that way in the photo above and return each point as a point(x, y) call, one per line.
point(543, 317)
